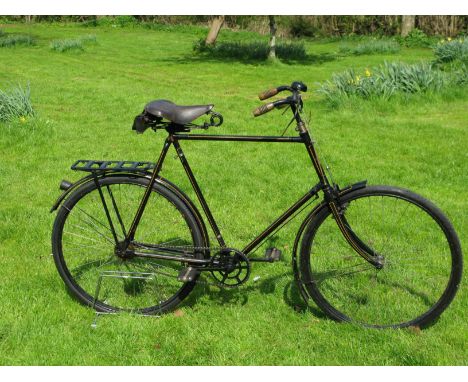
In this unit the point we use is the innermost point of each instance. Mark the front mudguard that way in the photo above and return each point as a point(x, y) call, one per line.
point(164, 182)
point(315, 211)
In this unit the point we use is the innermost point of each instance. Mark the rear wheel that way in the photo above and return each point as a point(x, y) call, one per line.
point(422, 260)
point(85, 252)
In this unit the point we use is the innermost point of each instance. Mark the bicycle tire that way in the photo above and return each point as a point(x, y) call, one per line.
point(162, 201)
point(358, 286)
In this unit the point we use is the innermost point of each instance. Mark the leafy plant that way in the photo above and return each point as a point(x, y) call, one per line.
point(383, 81)
point(66, 45)
point(15, 103)
point(374, 46)
point(72, 44)
point(115, 21)
point(451, 50)
point(257, 50)
point(301, 27)
point(15, 39)
point(416, 39)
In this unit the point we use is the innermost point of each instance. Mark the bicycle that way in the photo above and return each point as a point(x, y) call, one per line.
point(379, 256)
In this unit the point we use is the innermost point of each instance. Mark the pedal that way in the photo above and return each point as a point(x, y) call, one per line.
point(273, 254)
point(188, 274)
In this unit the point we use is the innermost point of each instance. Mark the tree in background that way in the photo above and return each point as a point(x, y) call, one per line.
point(407, 24)
point(216, 25)
point(272, 43)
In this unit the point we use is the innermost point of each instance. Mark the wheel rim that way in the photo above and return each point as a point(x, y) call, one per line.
point(87, 249)
point(417, 270)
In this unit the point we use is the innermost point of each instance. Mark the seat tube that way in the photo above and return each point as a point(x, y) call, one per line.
point(199, 193)
point(144, 201)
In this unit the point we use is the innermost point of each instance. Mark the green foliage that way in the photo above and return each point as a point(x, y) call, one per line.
point(416, 39)
point(66, 45)
point(250, 51)
point(383, 81)
point(15, 103)
point(75, 44)
point(302, 27)
point(2, 33)
point(374, 46)
point(7, 40)
point(116, 21)
point(452, 50)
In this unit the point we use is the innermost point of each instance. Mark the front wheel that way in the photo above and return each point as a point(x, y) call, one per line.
point(421, 256)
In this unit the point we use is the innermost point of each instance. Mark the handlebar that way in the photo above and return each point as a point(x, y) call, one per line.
point(272, 92)
point(295, 88)
point(263, 109)
point(270, 106)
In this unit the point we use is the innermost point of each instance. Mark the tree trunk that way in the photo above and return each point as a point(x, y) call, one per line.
point(214, 30)
point(407, 24)
point(272, 44)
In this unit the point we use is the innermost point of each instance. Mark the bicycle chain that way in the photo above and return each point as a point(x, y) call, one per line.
point(198, 281)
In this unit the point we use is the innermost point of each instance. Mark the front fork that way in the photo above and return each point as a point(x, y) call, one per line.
point(332, 199)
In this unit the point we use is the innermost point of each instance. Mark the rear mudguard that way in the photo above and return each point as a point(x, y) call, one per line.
point(315, 211)
point(164, 182)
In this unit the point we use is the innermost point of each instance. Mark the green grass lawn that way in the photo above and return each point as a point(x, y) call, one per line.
point(86, 101)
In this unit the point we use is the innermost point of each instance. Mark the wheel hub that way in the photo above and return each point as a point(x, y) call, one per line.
point(123, 250)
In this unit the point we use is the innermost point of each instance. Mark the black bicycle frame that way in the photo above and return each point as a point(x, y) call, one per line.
point(323, 185)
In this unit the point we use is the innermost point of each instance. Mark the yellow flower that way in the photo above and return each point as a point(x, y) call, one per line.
point(22, 119)
point(449, 38)
point(358, 78)
point(368, 73)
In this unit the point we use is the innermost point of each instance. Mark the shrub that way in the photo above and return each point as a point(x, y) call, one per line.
point(115, 21)
point(301, 27)
point(383, 81)
point(66, 45)
point(72, 44)
point(416, 39)
point(452, 50)
point(15, 39)
point(371, 47)
point(15, 103)
point(89, 38)
point(256, 50)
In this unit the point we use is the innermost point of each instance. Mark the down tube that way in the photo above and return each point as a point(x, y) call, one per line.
point(285, 216)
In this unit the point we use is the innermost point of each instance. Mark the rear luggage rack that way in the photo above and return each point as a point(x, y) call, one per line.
point(111, 165)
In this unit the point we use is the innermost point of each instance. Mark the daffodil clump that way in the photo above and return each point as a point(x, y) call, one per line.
point(15, 104)
point(383, 81)
point(9, 40)
point(374, 46)
point(449, 50)
point(72, 44)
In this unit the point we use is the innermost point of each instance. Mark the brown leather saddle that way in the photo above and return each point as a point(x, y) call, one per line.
point(180, 115)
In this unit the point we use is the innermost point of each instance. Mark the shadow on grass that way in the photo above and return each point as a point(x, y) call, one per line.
point(240, 296)
point(310, 59)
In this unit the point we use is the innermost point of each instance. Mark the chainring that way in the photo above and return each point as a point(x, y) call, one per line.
point(236, 268)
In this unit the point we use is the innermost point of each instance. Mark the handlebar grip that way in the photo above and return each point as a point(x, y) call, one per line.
point(263, 109)
point(268, 93)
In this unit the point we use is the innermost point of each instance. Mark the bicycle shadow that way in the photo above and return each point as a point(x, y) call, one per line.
point(240, 296)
